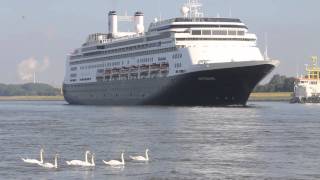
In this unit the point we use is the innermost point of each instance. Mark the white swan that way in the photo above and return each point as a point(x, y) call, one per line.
point(79, 162)
point(50, 165)
point(115, 162)
point(34, 161)
point(88, 164)
point(141, 158)
point(92, 164)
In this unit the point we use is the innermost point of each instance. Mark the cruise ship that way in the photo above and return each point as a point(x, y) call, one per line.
point(191, 60)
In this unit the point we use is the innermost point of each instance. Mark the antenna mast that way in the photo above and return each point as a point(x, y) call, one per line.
point(266, 56)
point(314, 61)
point(34, 78)
point(126, 18)
point(192, 9)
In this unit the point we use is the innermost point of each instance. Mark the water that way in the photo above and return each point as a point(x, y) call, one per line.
point(268, 140)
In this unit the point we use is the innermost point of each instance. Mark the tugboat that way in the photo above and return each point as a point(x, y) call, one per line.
point(307, 88)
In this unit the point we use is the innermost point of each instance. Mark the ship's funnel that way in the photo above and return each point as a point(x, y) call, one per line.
point(139, 22)
point(113, 22)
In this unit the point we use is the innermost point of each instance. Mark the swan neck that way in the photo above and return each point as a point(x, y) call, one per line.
point(86, 157)
point(56, 162)
point(92, 160)
point(122, 158)
point(41, 156)
point(147, 156)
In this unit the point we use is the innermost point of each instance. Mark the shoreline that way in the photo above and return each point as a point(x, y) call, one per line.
point(265, 96)
point(31, 98)
point(271, 96)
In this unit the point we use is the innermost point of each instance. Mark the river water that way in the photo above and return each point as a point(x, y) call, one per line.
point(267, 140)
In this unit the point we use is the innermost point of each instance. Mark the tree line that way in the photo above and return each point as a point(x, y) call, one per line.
point(278, 83)
point(29, 89)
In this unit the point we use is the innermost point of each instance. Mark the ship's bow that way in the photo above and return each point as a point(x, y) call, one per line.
point(216, 84)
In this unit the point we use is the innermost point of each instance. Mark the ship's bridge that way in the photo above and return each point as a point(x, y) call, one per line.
point(178, 24)
point(313, 71)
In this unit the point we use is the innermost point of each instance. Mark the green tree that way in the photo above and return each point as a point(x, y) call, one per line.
point(29, 89)
point(277, 83)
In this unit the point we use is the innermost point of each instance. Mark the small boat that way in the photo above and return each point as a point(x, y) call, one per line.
point(307, 87)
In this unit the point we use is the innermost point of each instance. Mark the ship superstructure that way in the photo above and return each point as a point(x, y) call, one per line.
point(307, 87)
point(188, 60)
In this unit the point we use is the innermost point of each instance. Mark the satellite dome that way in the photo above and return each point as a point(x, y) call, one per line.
point(185, 10)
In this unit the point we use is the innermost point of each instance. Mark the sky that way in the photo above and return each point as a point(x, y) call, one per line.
point(38, 34)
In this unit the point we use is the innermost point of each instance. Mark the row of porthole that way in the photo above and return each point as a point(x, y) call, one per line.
point(225, 98)
point(117, 95)
point(121, 56)
point(85, 79)
point(143, 95)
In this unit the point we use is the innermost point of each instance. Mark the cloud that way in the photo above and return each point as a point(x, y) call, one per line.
point(50, 33)
point(28, 67)
point(45, 64)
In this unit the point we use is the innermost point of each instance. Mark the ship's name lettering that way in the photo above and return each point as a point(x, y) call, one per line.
point(206, 78)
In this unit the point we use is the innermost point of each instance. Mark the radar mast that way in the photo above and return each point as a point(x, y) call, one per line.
point(192, 9)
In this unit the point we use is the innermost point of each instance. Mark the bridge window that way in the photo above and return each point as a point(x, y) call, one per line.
point(233, 33)
point(196, 32)
point(219, 32)
point(206, 32)
point(240, 33)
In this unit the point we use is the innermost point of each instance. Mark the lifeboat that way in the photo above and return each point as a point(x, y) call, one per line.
point(115, 70)
point(108, 71)
point(134, 69)
point(164, 65)
point(144, 68)
point(124, 70)
point(155, 67)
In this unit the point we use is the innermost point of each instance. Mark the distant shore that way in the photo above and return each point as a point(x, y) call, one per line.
point(274, 96)
point(31, 98)
point(271, 96)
